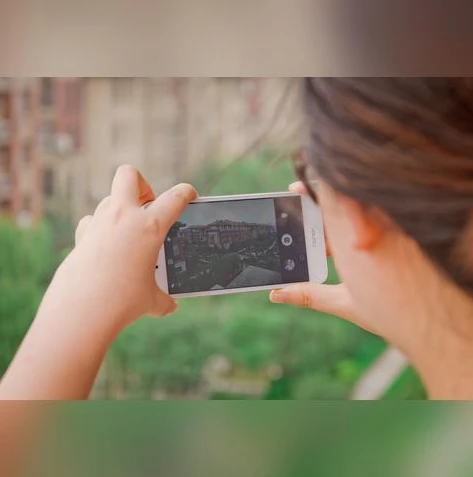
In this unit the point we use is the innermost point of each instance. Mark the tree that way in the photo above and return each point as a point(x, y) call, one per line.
point(26, 263)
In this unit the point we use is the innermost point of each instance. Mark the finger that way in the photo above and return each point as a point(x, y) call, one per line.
point(331, 299)
point(163, 304)
point(146, 193)
point(103, 205)
point(129, 186)
point(298, 188)
point(82, 227)
point(328, 250)
point(169, 206)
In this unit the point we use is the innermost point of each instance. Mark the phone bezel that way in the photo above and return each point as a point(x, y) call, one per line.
point(314, 236)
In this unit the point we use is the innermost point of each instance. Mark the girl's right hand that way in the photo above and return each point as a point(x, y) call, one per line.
point(111, 270)
point(332, 299)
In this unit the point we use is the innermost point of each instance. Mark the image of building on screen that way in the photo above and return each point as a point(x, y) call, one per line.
point(223, 253)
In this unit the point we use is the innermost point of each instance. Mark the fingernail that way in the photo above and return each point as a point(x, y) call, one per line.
point(147, 204)
point(277, 296)
point(297, 187)
point(190, 190)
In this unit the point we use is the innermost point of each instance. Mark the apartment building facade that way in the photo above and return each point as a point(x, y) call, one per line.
point(20, 156)
point(62, 122)
point(169, 127)
point(166, 127)
point(61, 139)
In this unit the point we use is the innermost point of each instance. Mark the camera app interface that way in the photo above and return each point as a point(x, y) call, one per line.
point(237, 244)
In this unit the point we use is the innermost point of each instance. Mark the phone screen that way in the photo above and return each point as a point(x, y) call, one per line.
point(237, 244)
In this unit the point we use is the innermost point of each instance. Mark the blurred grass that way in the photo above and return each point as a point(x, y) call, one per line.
point(407, 386)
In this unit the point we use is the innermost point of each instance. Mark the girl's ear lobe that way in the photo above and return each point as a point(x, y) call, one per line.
point(366, 224)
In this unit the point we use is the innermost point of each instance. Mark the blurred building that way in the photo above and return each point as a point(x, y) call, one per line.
point(62, 115)
point(166, 127)
point(62, 123)
point(20, 158)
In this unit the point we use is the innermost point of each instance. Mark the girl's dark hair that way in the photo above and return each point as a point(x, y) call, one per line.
point(405, 146)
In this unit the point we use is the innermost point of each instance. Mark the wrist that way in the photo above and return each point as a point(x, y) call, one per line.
point(84, 302)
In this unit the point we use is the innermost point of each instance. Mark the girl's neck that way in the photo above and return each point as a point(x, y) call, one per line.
point(444, 352)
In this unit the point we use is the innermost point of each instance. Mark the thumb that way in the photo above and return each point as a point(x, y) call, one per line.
point(331, 299)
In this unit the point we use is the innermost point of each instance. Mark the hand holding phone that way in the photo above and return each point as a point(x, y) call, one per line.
point(230, 244)
point(332, 299)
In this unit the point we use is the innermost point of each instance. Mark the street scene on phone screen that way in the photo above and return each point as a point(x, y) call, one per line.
point(224, 245)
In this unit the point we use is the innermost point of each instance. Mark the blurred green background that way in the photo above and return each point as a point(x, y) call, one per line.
point(230, 347)
point(278, 439)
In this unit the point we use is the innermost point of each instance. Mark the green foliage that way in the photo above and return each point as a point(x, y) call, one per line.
point(26, 259)
point(407, 386)
point(167, 354)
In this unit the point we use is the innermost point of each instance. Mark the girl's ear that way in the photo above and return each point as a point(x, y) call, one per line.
point(365, 224)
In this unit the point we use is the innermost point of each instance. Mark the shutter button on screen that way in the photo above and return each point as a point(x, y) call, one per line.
point(286, 240)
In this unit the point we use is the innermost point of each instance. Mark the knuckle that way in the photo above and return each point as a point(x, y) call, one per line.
point(82, 222)
point(106, 201)
point(306, 297)
point(115, 210)
point(153, 225)
point(82, 227)
point(104, 204)
point(179, 194)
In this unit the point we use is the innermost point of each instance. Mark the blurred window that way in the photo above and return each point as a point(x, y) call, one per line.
point(25, 102)
point(48, 182)
point(70, 186)
point(71, 96)
point(178, 150)
point(48, 131)
point(251, 92)
point(4, 160)
point(27, 154)
point(47, 92)
point(4, 109)
point(122, 90)
point(4, 205)
point(27, 202)
point(121, 135)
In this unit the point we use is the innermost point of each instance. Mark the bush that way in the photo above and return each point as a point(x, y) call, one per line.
point(26, 264)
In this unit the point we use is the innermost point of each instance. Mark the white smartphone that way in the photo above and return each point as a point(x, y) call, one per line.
point(241, 243)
